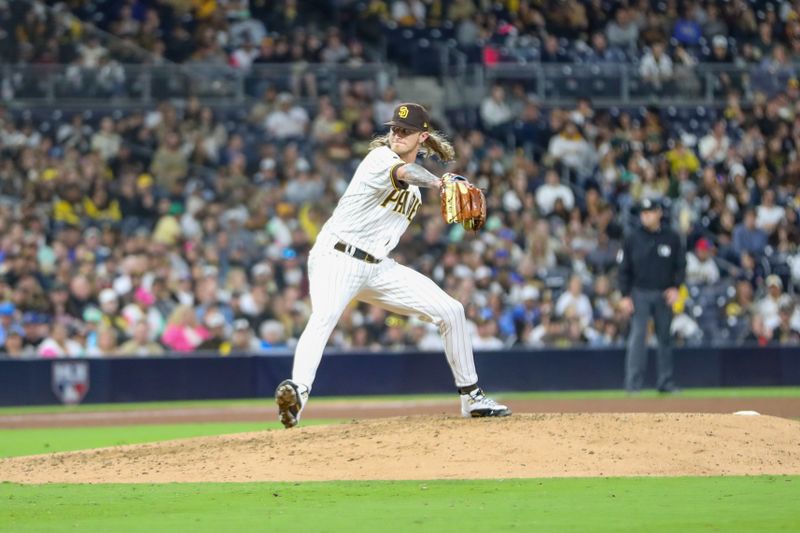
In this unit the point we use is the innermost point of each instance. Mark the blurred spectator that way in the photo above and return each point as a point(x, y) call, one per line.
point(686, 29)
point(748, 237)
point(288, 121)
point(109, 307)
point(495, 112)
point(334, 51)
point(750, 269)
point(759, 333)
point(656, 69)
point(243, 56)
point(700, 266)
point(785, 332)
point(106, 142)
point(140, 343)
point(681, 158)
point(13, 344)
point(106, 345)
point(485, 335)
point(552, 51)
point(713, 148)
point(574, 304)
point(272, 336)
point(408, 12)
point(7, 319)
point(59, 344)
point(740, 306)
point(570, 149)
point(623, 31)
point(242, 339)
point(769, 306)
point(600, 52)
point(551, 191)
point(170, 165)
point(768, 214)
point(215, 341)
point(142, 309)
point(182, 333)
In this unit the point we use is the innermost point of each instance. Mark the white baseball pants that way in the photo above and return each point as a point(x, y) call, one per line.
point(336, 279)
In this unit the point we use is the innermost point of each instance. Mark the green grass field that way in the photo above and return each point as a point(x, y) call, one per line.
point(765, 503)
point(45, 440)
point(563, 505)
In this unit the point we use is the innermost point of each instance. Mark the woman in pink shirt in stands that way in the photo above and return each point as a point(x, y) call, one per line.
point(183, 333)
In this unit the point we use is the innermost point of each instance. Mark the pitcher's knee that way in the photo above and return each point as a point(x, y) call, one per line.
point(453, 312)
point(323, 320)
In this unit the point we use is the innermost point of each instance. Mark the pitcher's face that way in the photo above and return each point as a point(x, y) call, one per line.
point(403, 141)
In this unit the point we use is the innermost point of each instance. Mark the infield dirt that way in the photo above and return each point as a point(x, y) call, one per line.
point(445, 447)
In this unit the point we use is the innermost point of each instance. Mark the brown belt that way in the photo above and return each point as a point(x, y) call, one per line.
point(355, 253)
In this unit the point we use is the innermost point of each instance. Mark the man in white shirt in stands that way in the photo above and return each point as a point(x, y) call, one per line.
point(570, 148)
point(769, 215)
point(769, 306)
point(573, 303)
point(485, 335)
point(700, 266)
point(713, 147)
point(656, 68)
point(495, 111)
point(288, 121)
point(552, 190)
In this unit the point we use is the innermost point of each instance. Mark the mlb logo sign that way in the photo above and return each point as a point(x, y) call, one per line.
point(70, 381)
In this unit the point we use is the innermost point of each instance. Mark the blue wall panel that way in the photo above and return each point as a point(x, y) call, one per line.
point(24, 382)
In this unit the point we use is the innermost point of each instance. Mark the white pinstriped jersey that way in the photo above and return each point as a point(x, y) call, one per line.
point(376, 209)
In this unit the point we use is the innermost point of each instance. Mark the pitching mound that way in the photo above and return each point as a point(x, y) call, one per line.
point(438, 447)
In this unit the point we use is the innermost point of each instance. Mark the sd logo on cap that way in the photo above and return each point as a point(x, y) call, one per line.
point(410, 116)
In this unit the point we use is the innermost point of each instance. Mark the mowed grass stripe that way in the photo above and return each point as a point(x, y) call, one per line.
point(739, 392)
point(564, 505)
point(30, 441)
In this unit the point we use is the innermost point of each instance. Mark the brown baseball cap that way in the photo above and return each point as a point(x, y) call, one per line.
point(410, 116)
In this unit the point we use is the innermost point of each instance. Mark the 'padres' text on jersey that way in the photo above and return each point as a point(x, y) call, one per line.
point(376, 209)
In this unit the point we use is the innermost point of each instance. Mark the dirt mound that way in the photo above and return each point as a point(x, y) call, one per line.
point(440, 447)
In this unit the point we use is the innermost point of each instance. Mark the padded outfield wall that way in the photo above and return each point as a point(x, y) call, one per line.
point(41, 382)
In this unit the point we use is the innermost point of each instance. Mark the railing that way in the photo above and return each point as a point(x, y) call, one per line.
point(144, 84)
point(623, 84)
point(554, 84)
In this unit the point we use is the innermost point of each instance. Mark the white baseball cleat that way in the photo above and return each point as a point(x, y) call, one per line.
point(476, 404)
point(290, 400)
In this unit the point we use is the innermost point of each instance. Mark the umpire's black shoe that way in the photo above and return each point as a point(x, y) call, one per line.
point(672, 389)
point(290, 400)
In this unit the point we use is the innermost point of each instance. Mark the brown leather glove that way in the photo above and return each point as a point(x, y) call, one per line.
point(462, 202)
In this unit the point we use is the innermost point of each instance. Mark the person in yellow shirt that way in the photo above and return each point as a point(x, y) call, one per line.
point(101, 208)
point(168, 228)
point(681, 157)
point(68, 208)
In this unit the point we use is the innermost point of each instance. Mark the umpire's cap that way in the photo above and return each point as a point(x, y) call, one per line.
point(649, 204)
point(410, 116)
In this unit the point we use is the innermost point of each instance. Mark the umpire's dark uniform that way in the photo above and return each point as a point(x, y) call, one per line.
point(652, 261)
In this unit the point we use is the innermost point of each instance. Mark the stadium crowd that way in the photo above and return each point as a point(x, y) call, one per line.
point(239, 32)
point(167, 230)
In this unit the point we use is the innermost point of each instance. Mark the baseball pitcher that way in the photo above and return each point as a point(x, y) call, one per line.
point(350, 258)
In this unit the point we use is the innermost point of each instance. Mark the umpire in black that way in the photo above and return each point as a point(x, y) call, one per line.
point(652, 267)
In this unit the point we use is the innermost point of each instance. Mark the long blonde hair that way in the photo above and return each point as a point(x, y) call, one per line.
point(436, 144)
